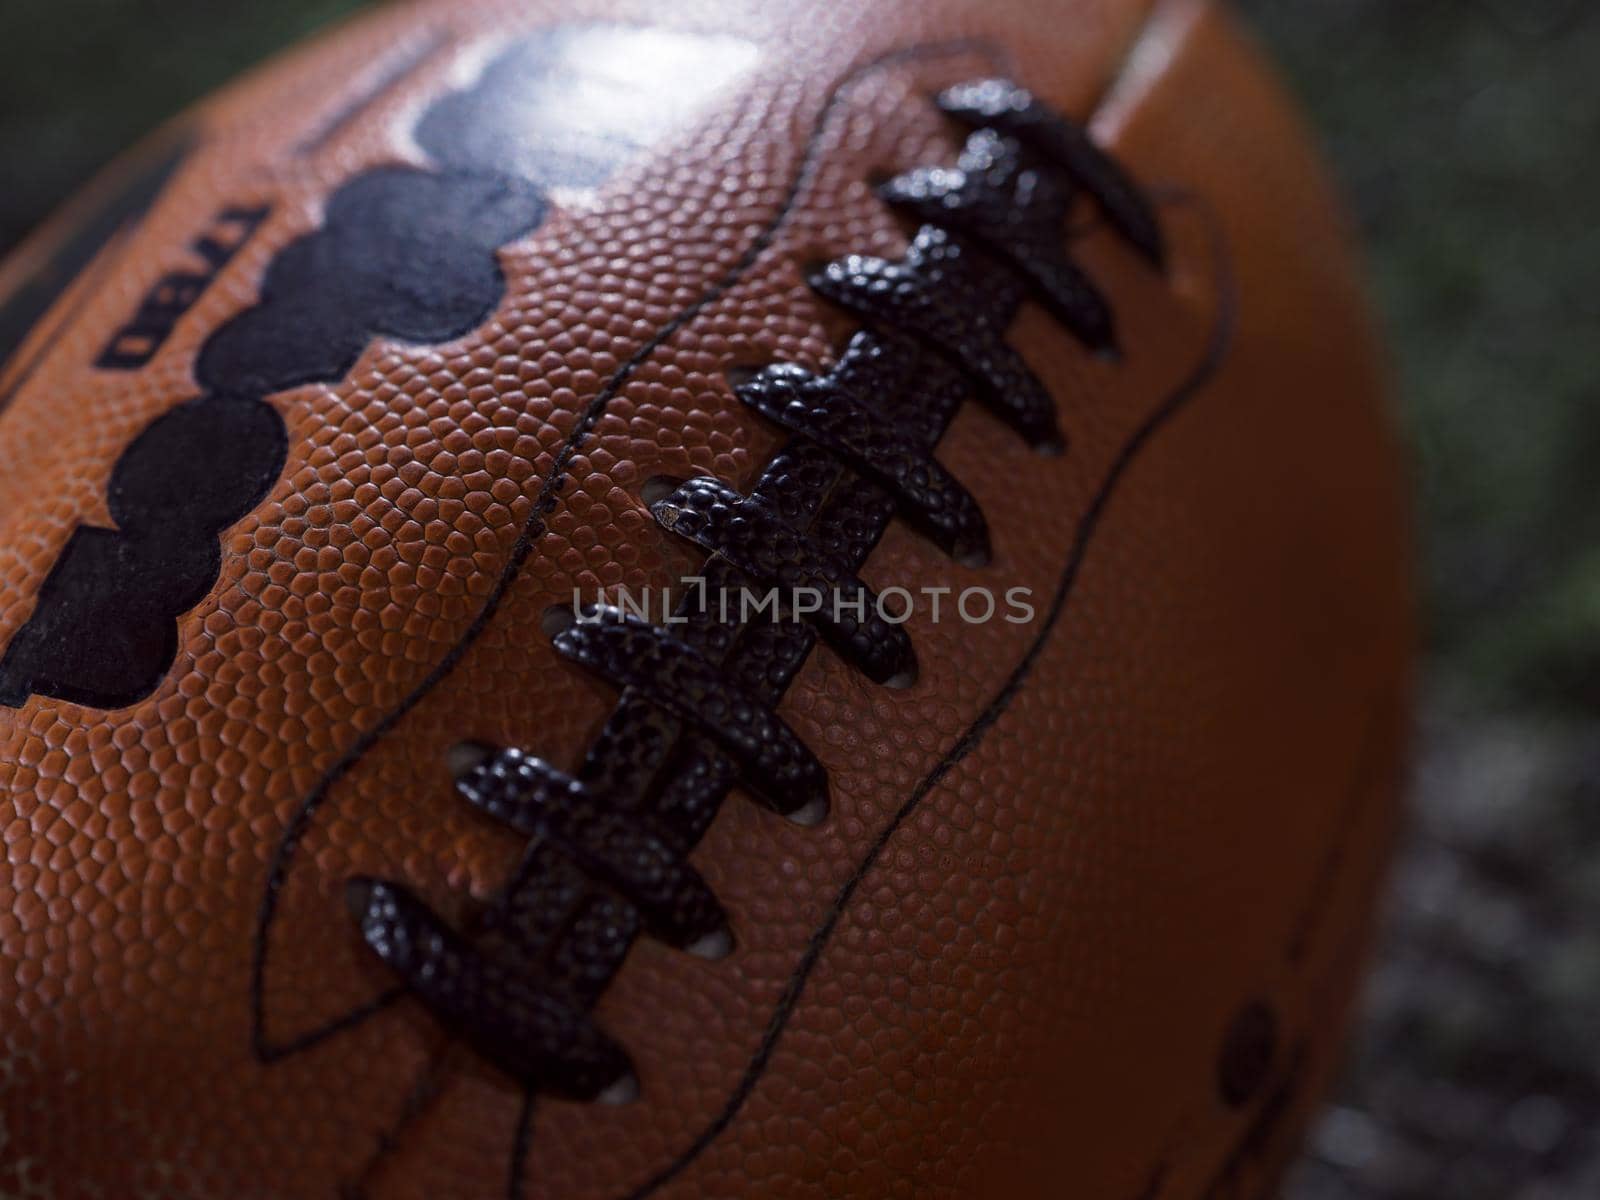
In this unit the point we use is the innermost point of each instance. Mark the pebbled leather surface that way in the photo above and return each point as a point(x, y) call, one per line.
point(1063, 875)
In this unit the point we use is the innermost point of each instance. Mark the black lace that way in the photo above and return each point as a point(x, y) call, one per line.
point(609, 846)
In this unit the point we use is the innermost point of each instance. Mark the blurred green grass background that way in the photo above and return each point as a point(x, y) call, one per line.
point(1466, 132)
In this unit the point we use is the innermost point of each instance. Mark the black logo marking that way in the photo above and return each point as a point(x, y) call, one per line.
point(176, 292)
point(404, 253)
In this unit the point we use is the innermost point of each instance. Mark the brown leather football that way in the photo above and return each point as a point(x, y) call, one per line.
point(764, 599)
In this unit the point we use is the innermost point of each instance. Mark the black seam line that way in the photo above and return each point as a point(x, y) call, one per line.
point(1216, 349)
point(425, 1087)
point(544, 503)
point(521, 1144)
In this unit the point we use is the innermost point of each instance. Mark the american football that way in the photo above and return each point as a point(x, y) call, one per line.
point(601, 599)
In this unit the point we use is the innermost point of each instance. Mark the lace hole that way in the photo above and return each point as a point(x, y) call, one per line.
point(466, 757)
point(809, 814)
point(557, 618)
point(740, 374)
point(717, 944)
point(622, 1091)
point(815, 268)
point(657, 488)
point(901, 680)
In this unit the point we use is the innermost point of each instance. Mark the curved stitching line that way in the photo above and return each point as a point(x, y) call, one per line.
point(1216, 348)
point(545, 502)
point(522, 1142)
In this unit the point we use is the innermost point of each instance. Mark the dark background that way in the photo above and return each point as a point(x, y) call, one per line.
point(1468, 136)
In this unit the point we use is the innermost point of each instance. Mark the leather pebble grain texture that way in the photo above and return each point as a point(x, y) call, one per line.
point(322, 870)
